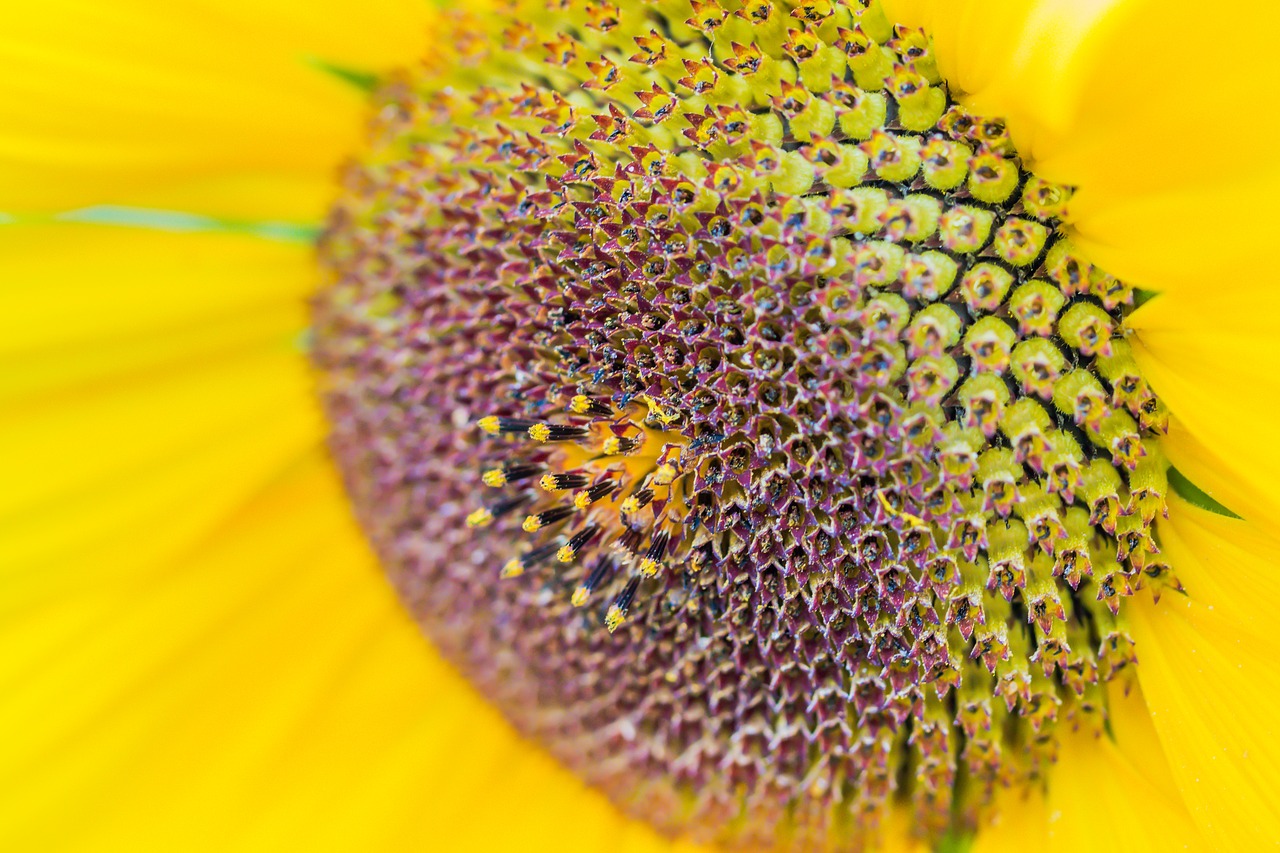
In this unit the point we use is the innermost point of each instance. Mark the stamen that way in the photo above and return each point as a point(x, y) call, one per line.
point(498, 477)
point(603, 568)
point(651, 565)
point(546, 518)
point(555, 432)
point(504, 426)
point(599, 491)
point(569, 552)
point(584, 405)
point(535, 556)
point(622, 605)
point(562, 482)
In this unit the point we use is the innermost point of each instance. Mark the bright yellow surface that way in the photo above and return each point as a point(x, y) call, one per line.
point(199, 649)
point(204, 106)
point(196, 649)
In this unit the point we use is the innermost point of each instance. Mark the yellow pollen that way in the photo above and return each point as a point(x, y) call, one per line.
point(513, 569)
point(566, 554)
point(540, 432)
point(664, 474)
point(494, 478)
point(481, 517)
point(649, 567)
point(884, 502)
point(657, 412)
point(531, 524)
point(580, 404)
point(614, 618)
point(548, 483)
point(489, 424)
point(580, 596)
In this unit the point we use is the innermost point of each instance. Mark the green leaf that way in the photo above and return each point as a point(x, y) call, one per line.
point(365, 81)
point(1193, 494)
point(173, 220)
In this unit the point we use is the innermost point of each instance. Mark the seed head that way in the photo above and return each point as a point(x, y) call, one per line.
point(822, 466)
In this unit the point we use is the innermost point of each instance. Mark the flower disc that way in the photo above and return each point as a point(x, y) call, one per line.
point(724, 400)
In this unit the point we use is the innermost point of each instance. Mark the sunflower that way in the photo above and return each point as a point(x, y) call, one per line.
point(816, 425)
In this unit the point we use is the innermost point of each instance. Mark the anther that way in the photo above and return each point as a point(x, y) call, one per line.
point(621, 605)
point(599, 572)
point(536, 522)
point(481, 517)
point(519, 565)
point(636, 502)
point(651, 565)
point(504, 426)
point(569, 552)
point(496, 477)
point(599, 491)
point(584, 405)
point(555, 432)
point(619, 446)
point(562, 482)
point(484, 516)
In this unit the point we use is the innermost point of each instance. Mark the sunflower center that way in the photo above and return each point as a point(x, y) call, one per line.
point(726, 399)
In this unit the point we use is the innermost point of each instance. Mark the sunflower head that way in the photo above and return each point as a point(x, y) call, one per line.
point(724, 396)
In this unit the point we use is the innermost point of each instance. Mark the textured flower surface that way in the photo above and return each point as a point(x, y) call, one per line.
point(829, 425)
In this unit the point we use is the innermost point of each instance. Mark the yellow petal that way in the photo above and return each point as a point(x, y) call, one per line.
point(1018, 59)
point(196, 646)
point(267, 692)
point(1210, 472)
point(133, 103)
point(1212, 359)
point(1175, 145)
point(1175, 100)
point(1104, 794)
point(1186, 239)
point(1207, 668)
point(1020, 821)
point(1161, 113)
point(1137, 807)
point(86, 302)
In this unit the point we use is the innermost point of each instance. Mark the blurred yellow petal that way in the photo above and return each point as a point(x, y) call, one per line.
point(95, 436)
point(1021, 60)
point(1207, 668)
point(1020, 822)
point(129, 103)
point(199, 651)
point(1175, 145)
point(1212, 359)
point(1177, 97)
point(1161, 113)
point(114, 320)
point(1106, 795)
point(267, 693)
point(84, 303)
